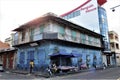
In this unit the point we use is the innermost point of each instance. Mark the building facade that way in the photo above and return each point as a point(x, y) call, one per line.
point(103, 24)
point(2, 47)
point(115, 47)
point(45, 39)
point(8, 58)
point(93, 17)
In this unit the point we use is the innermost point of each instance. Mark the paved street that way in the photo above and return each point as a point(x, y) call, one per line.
point(7, 75)
point(111, 73)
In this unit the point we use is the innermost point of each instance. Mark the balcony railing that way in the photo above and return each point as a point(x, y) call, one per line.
point(56, 36)
point(78, 40)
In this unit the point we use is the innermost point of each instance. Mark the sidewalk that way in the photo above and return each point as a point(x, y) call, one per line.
point(42, 74)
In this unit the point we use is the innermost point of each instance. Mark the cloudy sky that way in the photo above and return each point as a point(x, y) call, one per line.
point(14, 13)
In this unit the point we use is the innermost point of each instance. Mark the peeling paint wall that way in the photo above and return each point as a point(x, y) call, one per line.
point(40, 55)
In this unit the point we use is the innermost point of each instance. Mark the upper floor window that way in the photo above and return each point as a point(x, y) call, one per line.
point(111, 36)
point(32, 30)
point(16, 36)
point(112, 45)
point(116, 38)
point(73, 33)
point(61, 30)
point(96, 41)
point(42, 27)
point(23, 35)
point(89, 39)
point(117, 46)
point(83, 38)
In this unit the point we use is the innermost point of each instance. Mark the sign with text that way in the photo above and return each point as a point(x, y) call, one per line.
point(87, 17)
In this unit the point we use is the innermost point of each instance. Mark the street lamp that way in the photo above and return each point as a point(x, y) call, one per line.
point(113, 8)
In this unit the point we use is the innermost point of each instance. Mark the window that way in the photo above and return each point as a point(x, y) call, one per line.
point(32, 30)
point(96, 41)
point(23, 35)
point(117, 56)
point(116, 38)
point(112, 45)
point(42, 28)
point(117, 46)
point(73, 34)
point(111, 36)
point(89, 39)
point(83, 38)
point(15, 38)
point(36, 31)
point(61, 30)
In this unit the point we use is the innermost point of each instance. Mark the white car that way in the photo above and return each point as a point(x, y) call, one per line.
point(1, 68)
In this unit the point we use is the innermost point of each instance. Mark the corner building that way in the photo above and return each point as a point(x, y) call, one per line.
point(44, 39)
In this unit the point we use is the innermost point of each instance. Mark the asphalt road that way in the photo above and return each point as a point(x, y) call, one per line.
point(16, 76)
point(111, 73)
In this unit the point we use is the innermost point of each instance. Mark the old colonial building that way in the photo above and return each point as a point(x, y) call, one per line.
point(51, 39)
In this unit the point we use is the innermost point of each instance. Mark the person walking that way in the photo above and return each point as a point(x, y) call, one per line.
point(31, 66)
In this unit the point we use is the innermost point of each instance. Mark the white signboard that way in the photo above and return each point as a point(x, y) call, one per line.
point(85, 15)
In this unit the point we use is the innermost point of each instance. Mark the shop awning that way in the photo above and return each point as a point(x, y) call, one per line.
point(65, 55)
point(61, 54)
point(76, 55)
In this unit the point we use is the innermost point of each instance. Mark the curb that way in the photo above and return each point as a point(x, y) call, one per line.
point(45, 75)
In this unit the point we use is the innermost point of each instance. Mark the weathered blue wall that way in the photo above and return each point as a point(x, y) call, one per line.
point(41, 58)
point(39, 54)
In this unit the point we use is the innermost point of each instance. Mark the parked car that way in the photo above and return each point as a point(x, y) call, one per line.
point(1, 68)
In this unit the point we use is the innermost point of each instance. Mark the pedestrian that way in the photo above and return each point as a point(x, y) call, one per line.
point(31, 66)
point(94, 64)
point(104, 66)
point(54, 68)
point(49, 71)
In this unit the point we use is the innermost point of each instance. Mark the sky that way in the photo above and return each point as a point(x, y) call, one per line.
point(14, 13)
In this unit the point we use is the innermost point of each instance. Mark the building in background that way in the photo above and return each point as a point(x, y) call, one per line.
point(8, 58)
point(7, 54)
point(92, 16)
point(51, 39)
point(103, 25)
point(115, 47)
point(9, 40)
point(85, 15)
point(3, 46)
